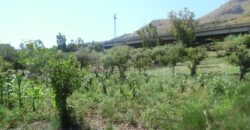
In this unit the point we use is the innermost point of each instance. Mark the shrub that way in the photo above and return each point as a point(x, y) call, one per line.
point(64, 79)
point(195, 56)
point(241, 57)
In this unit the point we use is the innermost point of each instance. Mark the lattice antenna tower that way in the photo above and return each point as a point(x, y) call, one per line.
point(115, 18)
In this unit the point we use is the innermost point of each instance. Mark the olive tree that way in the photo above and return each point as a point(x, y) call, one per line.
point(141, 59)
point(157, 53)
point(61, 42)
point(83, 56)
point(246, 40)
point(108, 64)
point(183, 26)
point(241, 57)
point(195, 56)
point(64, 79)
point(33, 56)
point(149, 36)
point(8, 53)
point(174, 54)
point(121, 56)
point(98, 47)
point(236, 47)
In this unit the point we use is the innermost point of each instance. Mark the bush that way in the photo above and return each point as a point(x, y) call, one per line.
point(195, 56)
point(64, 79)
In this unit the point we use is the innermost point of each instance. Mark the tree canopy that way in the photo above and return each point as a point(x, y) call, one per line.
point(183, 26)
point(8, 53)
point(149, 36)
point(61, 42)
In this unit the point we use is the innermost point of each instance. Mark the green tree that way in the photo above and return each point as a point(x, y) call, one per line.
point(72, 47)
point(174, 54)
point(34, 56)
point(157, 53)
point(149, 36)
point(236, 47)
point(241, 57)
point(83, 56)
point(61, 42)
point(195, 56)
point(64, 78)
point(31, 45)
point(183, 26)
point(4, 65)
point(141, 59)
point(8, 53)
point(108, 64)
point(80, 41)
point(98, 47)
point(233, 40)
point(246, 40)
point(121, 55)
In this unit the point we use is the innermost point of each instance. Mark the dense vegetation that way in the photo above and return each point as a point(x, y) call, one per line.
point(37, 83)
point(82, 86)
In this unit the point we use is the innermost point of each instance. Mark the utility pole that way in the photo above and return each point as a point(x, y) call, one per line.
point(115, 25)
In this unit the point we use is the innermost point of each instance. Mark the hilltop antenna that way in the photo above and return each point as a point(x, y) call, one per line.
point(115, 25)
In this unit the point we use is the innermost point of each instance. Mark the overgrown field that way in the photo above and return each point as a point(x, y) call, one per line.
point(56, 87)
point(152, 100)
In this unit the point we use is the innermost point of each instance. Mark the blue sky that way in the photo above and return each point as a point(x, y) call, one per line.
point(89, 19)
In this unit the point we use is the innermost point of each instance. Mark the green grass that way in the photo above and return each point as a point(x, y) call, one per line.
point(156, 101)
point(164, 101)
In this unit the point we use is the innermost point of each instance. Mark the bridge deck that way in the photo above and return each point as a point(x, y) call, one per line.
point(200, 34)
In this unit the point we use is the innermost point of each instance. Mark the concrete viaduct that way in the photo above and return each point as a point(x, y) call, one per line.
point(201, 35)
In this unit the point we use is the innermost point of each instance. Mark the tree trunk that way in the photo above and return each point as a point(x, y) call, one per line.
point(173, 70)
point(65, 118)
point(1, 96)
point(63, 112)
point(242, 72)
point(19, 95)
point(8, 98)
point(33, 99)
point(121, 71)
point(193, 70)
point(96, 73)
point(81, 66)
point(104, 88)
point(112, 69)
point(106, 74)
point(139, 69)
point(121, 90)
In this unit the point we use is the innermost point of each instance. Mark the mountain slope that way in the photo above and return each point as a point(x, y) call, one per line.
point(162, 25)
point(232, 12)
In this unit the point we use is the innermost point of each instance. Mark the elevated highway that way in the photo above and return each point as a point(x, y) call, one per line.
point(201, 35)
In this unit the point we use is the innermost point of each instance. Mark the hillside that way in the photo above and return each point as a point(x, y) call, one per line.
point(163, 26)
point(232, 12)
